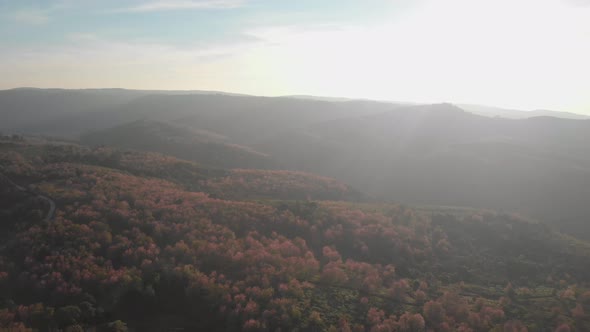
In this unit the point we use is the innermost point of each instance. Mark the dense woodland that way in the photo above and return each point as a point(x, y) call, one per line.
point(147, 242)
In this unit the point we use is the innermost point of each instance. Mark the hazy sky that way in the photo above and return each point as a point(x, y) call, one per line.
point(526, 54)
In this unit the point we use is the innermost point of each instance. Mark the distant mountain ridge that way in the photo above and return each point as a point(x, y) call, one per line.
point(38, 110)
point(490, 111)
point(519, 114)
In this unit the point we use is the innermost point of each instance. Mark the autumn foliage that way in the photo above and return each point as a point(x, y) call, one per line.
point(129, 248)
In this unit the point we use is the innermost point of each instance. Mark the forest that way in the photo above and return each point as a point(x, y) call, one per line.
point(142, 241)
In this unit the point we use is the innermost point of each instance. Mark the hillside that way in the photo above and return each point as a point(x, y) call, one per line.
point(41, 110)
point(207, 148)
point(154, 254)
point(286, 185)
point(66, 112)
point(18, 209)
point(518, 114)
point(416, 154)
point(441, 155)
point(246, 184)
point(69, 113)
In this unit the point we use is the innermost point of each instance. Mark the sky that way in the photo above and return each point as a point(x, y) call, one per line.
point(523, 54)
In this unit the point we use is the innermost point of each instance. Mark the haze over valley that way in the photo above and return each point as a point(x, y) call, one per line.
point(416, 154)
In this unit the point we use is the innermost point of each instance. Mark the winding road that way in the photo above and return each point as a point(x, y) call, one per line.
point(50, 213)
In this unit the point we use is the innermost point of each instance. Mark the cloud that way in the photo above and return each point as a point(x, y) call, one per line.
point(30, 16)
point(443, 52)
point(82, 37)
point(82, 48)
point(185, 4)
point(88, 61)
point(578, 3)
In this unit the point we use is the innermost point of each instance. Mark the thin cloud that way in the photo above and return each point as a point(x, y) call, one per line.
point(578, 3)
point(130, 64)
point(30, 16)
point(185, 4)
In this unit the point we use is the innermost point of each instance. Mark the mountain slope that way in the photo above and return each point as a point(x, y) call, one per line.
point(273, 184)
point(205, 147)
point(71, 112)
point(36, 110)
point(250, 184)
point(518, 114)
point(442, 155)
point(147, 252)
point(416, 154)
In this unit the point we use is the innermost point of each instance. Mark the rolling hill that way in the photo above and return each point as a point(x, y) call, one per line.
point(518, 114)
point(441, 155)
point(196, 145)
point(415, 154)
point(136, 246)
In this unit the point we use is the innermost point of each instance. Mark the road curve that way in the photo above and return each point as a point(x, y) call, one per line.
point(50, 213)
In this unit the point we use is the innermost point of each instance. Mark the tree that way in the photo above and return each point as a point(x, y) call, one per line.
point(434, 313)
point(116, 326)
point(69, 315)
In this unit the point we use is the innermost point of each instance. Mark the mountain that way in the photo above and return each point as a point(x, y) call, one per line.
point(30, 110)
point(138, 243)
point(309, 97)
point(442, 155)
point(69, 113)
point(59, 111)
point(519, 114)
point(437, 154)
point(197, 145)
point(244, 119)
